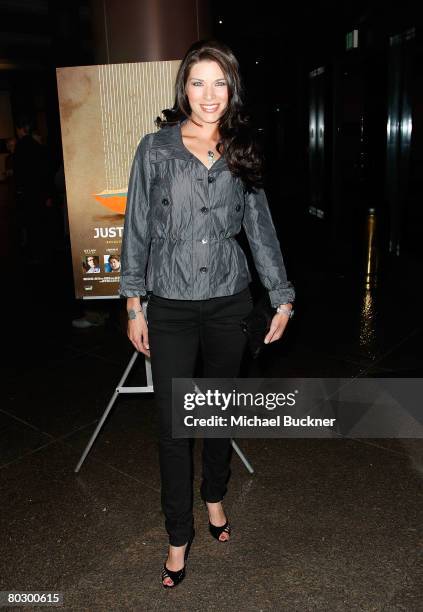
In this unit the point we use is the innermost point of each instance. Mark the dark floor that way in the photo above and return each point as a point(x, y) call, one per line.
point(322, 524)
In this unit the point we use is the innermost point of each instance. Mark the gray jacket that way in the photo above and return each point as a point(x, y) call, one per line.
point(180, 226)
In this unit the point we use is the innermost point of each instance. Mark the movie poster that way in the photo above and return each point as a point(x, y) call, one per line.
point(104, 112)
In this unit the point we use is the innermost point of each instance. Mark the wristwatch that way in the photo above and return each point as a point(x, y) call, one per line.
point(287, 311)
point(132, 314)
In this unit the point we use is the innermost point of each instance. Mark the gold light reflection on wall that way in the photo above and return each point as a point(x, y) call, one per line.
point(371, 259)
point(368, 306)
point(367, 324)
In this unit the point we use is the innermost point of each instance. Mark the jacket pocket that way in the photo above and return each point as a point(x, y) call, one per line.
point(161, 205)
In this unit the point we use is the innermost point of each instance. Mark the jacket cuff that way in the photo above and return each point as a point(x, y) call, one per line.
point(282, 295)
point(127, 291)
point(129, 294)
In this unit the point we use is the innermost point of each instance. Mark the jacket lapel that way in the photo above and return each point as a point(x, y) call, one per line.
point(168, 144)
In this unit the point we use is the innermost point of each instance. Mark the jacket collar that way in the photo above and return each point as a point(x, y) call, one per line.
point(169, 140)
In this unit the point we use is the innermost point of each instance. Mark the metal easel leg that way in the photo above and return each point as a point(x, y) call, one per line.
point(242, 457)
point(106, 412)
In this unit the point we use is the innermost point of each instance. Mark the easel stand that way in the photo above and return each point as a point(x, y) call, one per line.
point(148, 389)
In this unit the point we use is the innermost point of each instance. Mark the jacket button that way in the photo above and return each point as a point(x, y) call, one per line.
point(203, 269)
point(238, 207)
point(204, 210)
point(204, 241)
point(211, 179)
point(165, 202)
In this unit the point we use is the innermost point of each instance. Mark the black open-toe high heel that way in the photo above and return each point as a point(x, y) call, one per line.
point(217, 531)
point(178, 575)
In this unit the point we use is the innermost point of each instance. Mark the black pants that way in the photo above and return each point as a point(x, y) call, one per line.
point(177, 330)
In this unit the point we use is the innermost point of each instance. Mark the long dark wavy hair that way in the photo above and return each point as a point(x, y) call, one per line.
point(237, 140)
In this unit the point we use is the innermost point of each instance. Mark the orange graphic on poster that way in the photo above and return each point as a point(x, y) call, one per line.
point(115, 199)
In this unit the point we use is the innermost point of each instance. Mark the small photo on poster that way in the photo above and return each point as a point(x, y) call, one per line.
point(112, 263)
point(90, 264)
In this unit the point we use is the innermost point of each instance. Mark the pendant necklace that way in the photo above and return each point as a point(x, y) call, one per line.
point(210, 155)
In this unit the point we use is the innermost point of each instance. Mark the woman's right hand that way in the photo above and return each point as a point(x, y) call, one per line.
point(138, 334)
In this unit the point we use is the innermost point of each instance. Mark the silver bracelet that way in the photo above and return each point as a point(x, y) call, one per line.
point(287, 311)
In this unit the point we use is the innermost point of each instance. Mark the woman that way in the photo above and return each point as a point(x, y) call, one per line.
point(193, 184)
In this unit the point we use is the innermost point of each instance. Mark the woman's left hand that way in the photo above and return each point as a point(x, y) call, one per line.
point(277, 327)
